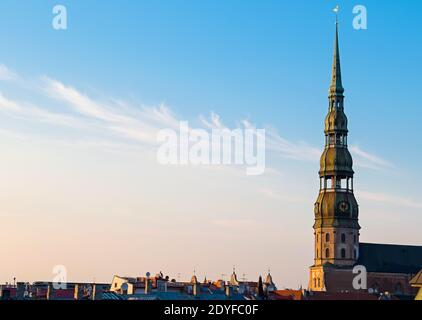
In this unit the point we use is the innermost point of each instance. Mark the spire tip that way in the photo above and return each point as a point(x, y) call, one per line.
point(336, 11)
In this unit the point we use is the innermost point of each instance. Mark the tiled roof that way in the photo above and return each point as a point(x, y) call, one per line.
point(390, 258)
point(168, 296)
point(111, 296)
point(417, 280)
point(341, 296)
point(288, 294)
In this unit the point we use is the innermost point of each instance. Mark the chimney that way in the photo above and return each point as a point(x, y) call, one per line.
point(97, 292)
point(77, 294)
point(148, 286)
point(228, 291)
point(195, 289)
point(50, 294)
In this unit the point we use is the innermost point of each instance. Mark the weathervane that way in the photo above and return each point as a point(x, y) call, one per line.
point(336, 11)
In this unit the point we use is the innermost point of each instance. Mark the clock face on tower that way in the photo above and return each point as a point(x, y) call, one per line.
point(344, 206)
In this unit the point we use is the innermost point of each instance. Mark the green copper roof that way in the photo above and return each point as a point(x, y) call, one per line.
point(336, 84)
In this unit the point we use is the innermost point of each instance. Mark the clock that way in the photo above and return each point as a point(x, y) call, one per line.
point(344, 206)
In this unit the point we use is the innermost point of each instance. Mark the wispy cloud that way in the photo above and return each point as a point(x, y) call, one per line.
point(366, 160)
point(138, 123)
point(290, 149)
point(31, 112)
point(82, 103)
point(141, 124)
point(283, 196)
point(214, 122)
point(6, 74)
point(388, 199)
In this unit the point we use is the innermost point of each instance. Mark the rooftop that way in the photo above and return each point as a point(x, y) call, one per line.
point(388, 258)
point(417, 280)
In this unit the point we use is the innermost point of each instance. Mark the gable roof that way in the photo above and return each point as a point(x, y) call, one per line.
point(417, 280)
point(388, 258)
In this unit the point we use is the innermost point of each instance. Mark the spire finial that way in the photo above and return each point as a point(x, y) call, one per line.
point(336, 87)
point(336, 11)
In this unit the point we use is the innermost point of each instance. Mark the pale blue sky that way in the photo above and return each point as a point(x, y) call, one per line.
point(69, 172)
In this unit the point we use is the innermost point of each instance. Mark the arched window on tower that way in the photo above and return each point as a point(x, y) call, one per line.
point(330, 183)
point(327, 253)
point(343, 238)
point(343, 253)
point(332, 138)
point(327, 237)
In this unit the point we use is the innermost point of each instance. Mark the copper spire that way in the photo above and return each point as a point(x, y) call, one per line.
point(336, 84)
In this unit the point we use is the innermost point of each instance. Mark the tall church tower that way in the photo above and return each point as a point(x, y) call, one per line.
point(336, 210)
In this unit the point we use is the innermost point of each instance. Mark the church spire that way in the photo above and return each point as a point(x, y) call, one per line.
point(336, 211)
point(336, 87)
point(336, 228)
